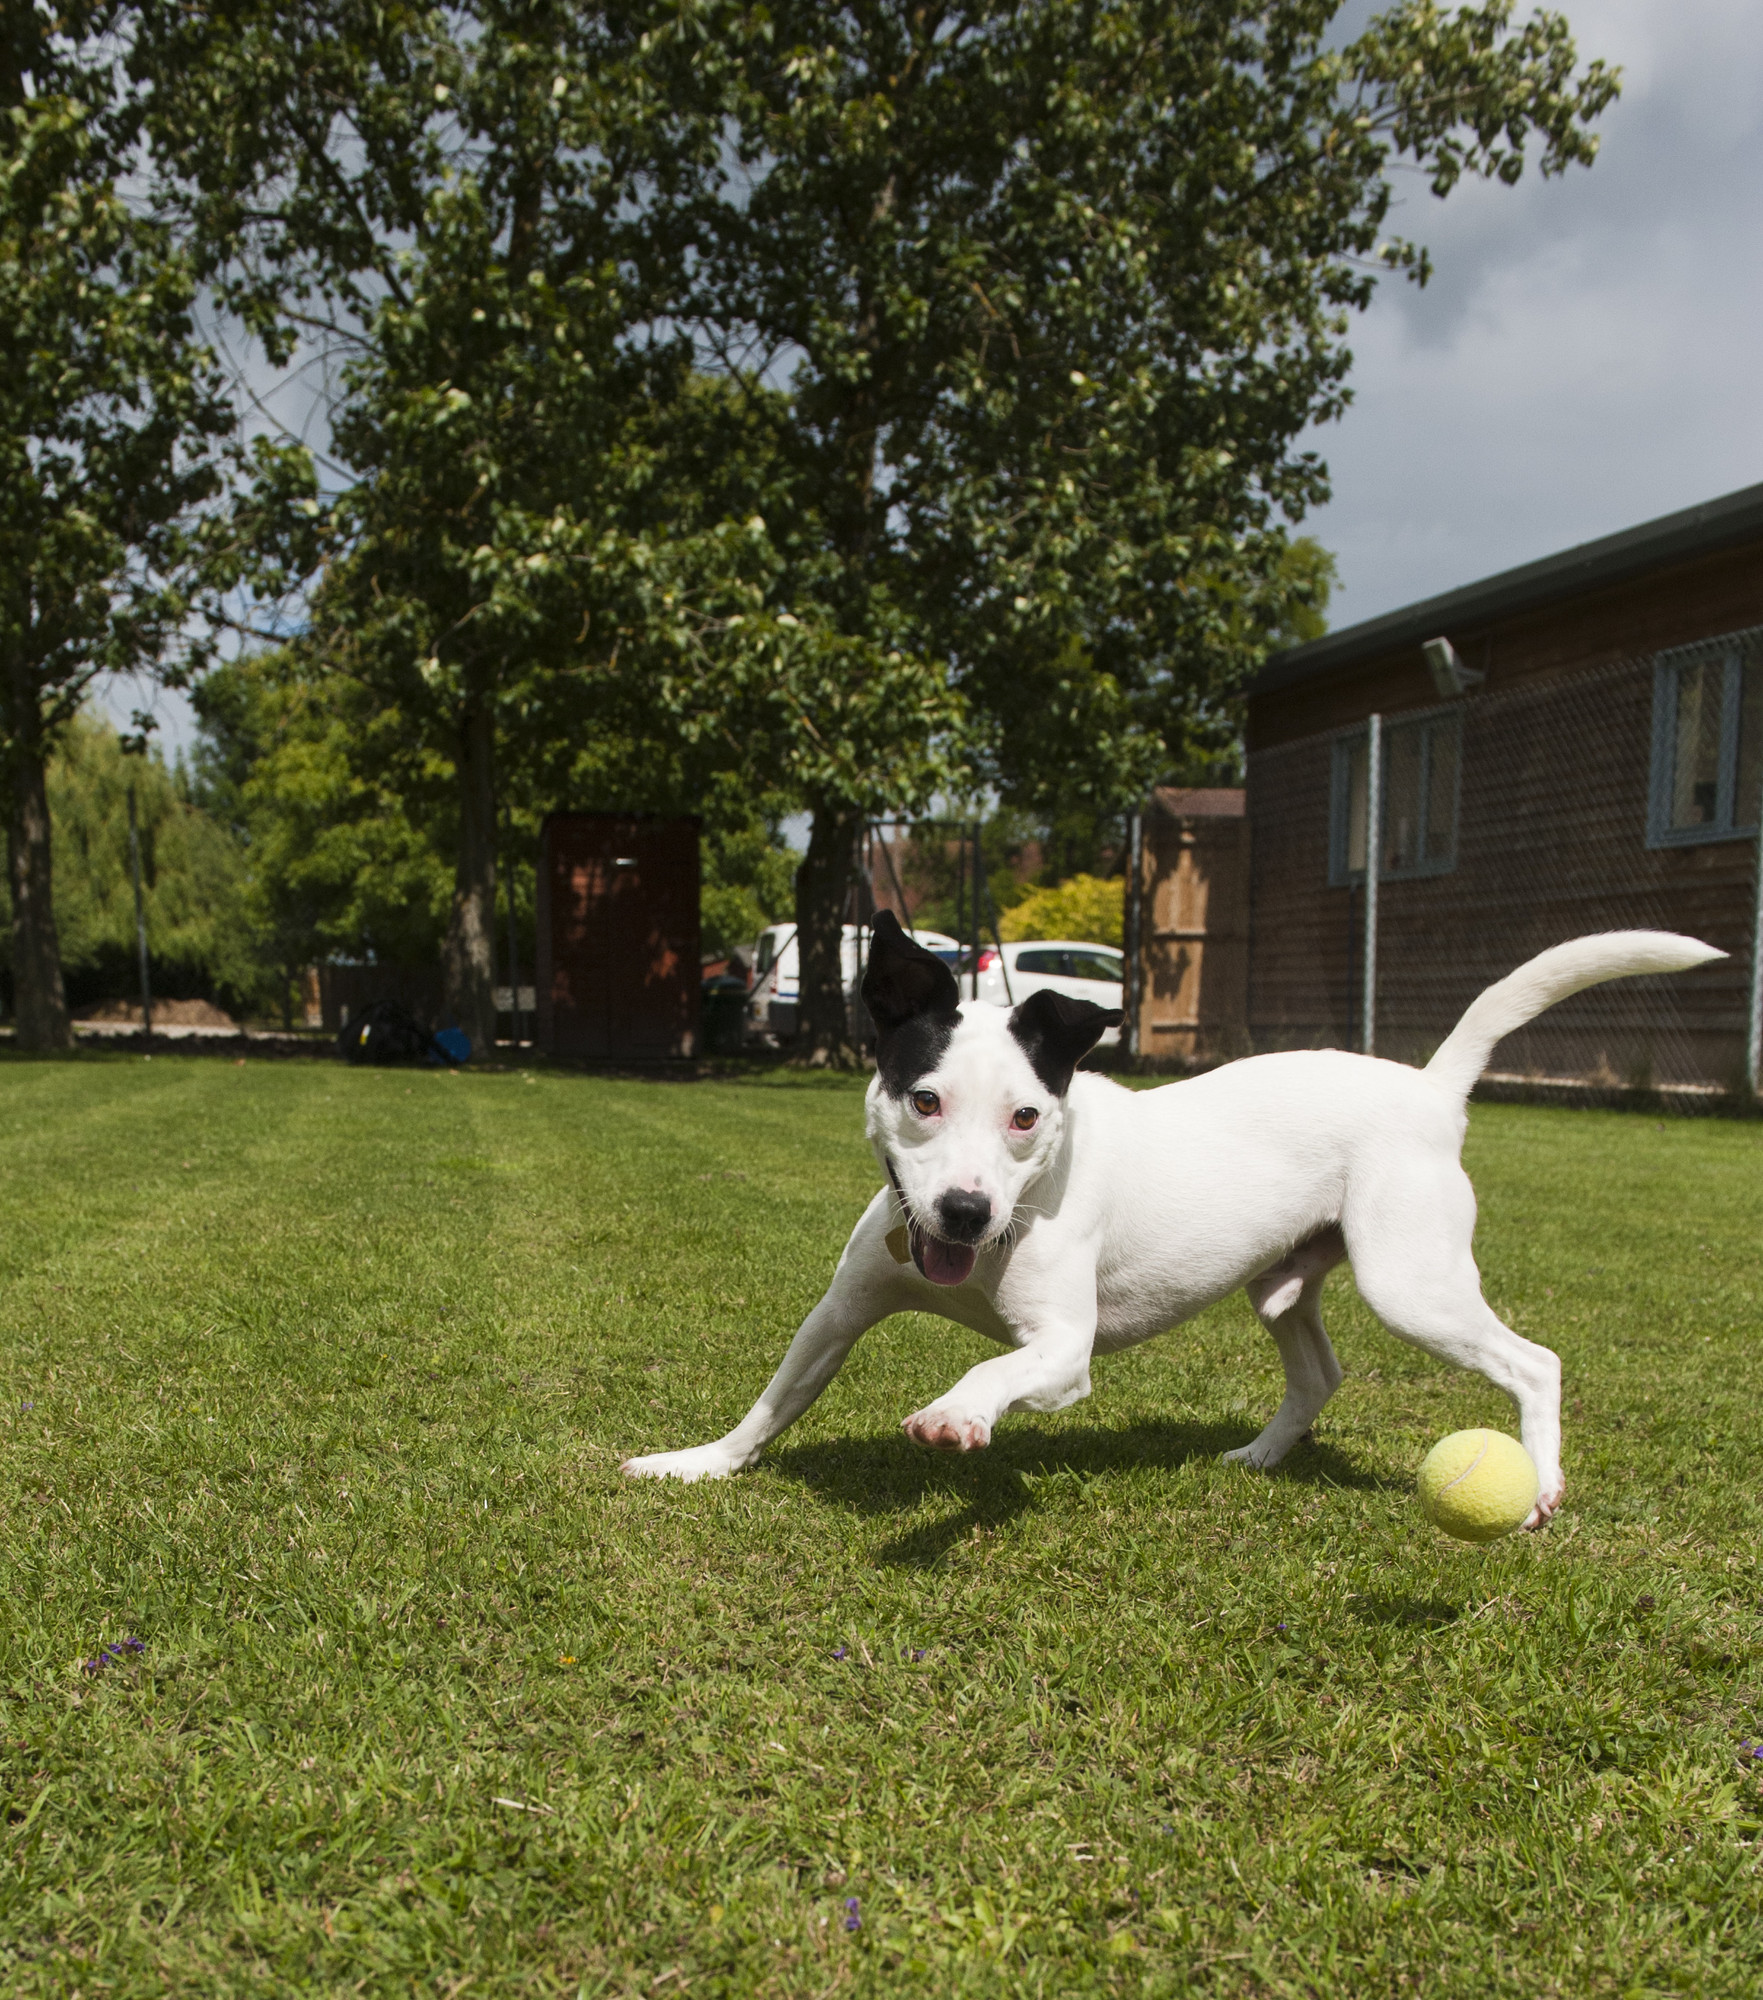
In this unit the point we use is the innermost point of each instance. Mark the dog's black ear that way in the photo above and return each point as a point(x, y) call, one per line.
point(1055, 1031)
point(902, 979)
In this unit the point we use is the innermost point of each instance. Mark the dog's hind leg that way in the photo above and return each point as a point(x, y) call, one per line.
point(1410, 1244)
point(1288, 1300)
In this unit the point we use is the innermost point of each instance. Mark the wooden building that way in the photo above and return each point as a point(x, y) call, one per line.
point(1576, 745)
point(1192, 919)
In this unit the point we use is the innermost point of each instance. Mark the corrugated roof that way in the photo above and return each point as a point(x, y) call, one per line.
point(1697, 531)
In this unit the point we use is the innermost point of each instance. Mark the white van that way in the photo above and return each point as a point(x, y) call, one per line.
point(771, 1005)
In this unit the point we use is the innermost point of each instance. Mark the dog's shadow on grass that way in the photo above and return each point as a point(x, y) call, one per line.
point(887, 1475)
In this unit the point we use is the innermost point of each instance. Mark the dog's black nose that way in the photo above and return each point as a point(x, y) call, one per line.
point(964, 1214)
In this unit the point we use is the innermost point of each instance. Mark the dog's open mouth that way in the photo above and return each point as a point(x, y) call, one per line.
point(942, 1263)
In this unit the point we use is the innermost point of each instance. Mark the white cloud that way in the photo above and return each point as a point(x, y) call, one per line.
point(1586, 357)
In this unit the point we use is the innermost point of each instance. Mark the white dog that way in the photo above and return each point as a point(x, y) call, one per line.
point(1063, 1216)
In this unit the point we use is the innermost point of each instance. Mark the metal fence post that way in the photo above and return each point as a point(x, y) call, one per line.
point(978, 877)
point(1373, 841)
point(140, 925)
point(1135, 931)
point(1754, 1039)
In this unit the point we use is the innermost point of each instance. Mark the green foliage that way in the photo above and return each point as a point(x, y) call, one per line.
point(439, 205)
point(1043, 423)
point(113, 404)
point(429, 1694)
point(550, 536)
point(1020, 516)
point(1310, 575)
point(348, 819)
point(200, 930)
point(344, 817)
point(111, 423)
point(749, 874)
point(1085, 907)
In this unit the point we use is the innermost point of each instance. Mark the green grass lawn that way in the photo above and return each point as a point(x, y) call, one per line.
point(315, 1382)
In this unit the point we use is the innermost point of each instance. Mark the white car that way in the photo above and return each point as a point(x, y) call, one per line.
point(771, 1005)
point(1065, 965)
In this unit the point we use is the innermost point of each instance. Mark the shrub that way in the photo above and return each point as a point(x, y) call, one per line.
point(1086, 906)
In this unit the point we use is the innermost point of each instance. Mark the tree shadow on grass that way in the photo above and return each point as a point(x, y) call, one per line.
point(883, 1475)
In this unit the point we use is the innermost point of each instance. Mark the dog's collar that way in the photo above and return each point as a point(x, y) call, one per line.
point(914, 1234)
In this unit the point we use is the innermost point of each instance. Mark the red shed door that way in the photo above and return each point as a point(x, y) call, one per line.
point(619, 936)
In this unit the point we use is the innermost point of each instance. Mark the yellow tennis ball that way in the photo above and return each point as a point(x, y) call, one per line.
point(1478, 1485)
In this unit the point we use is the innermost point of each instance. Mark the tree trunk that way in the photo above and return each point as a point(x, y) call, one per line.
point(823, 882)
point(40, 1001)
point(468, 956)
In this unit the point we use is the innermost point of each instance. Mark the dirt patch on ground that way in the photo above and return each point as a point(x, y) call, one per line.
point(166, 1014)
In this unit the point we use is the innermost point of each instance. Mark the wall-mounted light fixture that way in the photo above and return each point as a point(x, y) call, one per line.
point(1449, 675)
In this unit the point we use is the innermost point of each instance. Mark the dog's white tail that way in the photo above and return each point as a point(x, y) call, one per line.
point(1552, 975)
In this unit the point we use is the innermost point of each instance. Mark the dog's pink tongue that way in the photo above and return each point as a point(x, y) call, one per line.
point(947, 1263)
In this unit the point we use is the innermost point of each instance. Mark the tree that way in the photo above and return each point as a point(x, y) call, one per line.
point(455, 205)
point(113, 411)
point(200, 927)
point(1058, 287)
point(342, 821)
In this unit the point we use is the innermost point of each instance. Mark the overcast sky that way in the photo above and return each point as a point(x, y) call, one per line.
point(1587, 355)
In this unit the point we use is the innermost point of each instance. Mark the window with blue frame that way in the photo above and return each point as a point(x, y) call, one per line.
point(1422, 758)
point(1707, 742)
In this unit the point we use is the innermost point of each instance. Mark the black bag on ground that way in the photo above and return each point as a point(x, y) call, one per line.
point(387, 1033)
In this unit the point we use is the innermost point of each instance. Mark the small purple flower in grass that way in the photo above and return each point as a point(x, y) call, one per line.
point(106, 1654)
point(918, 1652)
point(1279, 1628)
point(839, 1652)
point(853, 1915)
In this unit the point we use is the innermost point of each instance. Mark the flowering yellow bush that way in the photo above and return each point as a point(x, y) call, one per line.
point(1085, 907)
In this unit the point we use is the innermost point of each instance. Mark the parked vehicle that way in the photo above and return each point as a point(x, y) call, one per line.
point(1085, 971)
point(772, 1004)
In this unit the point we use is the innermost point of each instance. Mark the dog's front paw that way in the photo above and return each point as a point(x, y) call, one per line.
point(706, 1461)
point(946, 1430)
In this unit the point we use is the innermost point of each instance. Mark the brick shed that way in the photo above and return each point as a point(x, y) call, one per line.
point(1584, 751)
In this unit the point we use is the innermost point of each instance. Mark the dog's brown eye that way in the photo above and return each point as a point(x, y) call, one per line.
point(1026, 1119)
point(926, 1103)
